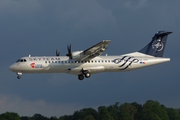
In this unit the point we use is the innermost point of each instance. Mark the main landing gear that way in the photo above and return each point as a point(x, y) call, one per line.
point(19, 75)
point(86, 74)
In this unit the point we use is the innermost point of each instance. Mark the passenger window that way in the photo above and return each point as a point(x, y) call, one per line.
point(92, 61)
point(55, 61)
point(49, 61)
point(102, 61)
point(61, 61)
point(46, 62)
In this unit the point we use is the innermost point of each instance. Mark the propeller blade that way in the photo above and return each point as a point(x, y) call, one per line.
point(69, 54)
point(69, 48)
point(57, 53)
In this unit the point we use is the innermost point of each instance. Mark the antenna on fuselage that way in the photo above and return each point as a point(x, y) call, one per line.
point(29, 55)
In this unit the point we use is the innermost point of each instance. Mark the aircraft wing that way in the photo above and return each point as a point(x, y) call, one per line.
point(95, 50)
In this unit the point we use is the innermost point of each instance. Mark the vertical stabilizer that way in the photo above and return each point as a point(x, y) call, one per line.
point(157, 45)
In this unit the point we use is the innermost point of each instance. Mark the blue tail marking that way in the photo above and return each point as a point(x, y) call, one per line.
point(157, 45)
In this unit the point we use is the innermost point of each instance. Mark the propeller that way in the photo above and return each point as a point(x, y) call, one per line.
point(69, 54)
point(57, 53)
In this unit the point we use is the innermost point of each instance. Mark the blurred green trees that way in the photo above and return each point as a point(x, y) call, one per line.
point(151, 110)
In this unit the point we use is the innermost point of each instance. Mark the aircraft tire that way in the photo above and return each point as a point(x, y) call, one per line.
point(18, 77)
point(80, 77)
point(87, 75)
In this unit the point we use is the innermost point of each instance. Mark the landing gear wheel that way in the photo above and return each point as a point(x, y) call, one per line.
point(80, 77)
point(87, 75)
point(18, 77)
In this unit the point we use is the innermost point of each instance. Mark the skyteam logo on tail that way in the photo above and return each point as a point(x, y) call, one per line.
point(157, 45)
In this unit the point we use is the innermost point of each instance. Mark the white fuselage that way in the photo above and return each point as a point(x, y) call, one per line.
point(62, 64)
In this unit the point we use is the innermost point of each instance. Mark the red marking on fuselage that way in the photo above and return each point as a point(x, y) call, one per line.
point(32, 65)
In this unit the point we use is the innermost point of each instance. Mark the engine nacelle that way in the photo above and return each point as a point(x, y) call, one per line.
point(77, 54)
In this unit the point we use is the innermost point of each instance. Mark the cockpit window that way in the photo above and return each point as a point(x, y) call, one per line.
point(21, 60)
point(18, 60)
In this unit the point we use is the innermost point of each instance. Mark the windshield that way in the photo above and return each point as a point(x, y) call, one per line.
point(18, 60)
point(21, 60)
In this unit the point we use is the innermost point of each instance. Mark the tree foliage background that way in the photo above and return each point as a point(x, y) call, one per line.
point(151, 110)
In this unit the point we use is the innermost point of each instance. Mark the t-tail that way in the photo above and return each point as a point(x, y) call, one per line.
point(157, 45)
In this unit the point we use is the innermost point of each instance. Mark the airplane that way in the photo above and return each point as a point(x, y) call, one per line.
point(88, 62)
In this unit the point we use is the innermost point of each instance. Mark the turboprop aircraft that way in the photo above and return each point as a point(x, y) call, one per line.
point(88, 62)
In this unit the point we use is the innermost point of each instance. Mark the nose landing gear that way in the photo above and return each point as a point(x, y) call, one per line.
point(19, 75)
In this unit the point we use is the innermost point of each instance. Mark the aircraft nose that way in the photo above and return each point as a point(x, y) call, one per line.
point(11, 67)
